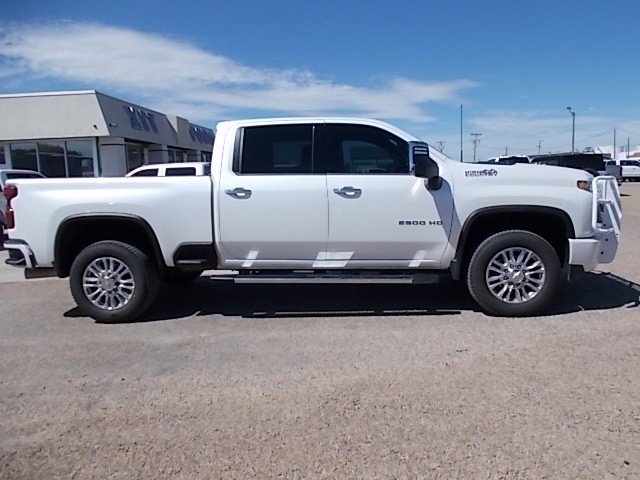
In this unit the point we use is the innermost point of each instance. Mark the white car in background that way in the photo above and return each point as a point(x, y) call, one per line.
point(171, 169)
point(508, 159)
point(630, 168)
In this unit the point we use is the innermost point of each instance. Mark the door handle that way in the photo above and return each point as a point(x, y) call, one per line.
point(240, 193)
point(348, 192)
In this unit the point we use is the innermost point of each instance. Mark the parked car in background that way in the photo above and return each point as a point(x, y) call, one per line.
point(7, 174)
point(508, 159)
point(171, 169)
point(594, 163)
point(630, 168)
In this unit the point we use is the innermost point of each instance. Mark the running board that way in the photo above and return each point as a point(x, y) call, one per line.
point(418, 278)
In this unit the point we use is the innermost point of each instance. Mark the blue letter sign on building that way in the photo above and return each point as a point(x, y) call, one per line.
point(141, 120)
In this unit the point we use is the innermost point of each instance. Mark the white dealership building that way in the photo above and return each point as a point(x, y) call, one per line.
point(90, 134)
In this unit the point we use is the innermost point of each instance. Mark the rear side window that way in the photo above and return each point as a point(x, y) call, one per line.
point(182, 171)
point(149, 172)
point(281, 149)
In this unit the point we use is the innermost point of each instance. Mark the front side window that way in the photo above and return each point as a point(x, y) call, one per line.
point(281, 149)
point(3, 160)
point(361, 149)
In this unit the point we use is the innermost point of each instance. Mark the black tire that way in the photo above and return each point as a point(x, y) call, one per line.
point(123, 295)
point(182, 277)
point(532, 289)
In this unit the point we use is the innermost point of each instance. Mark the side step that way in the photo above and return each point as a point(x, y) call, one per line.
point(364, 278)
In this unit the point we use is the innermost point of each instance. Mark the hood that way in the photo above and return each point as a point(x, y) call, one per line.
point(518, 173)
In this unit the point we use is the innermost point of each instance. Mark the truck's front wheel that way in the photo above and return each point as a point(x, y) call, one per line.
point(113, 281)
point(514, 273)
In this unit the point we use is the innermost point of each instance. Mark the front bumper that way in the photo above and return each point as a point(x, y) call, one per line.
point(585, 252)
point(20, 255)
point(606, 217)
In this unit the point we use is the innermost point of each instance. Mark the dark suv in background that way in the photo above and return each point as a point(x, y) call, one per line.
point(594, 163)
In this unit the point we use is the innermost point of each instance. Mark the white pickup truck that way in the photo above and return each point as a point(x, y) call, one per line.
point(318, 200)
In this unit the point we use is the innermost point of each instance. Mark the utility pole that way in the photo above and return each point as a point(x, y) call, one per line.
point(441, 145)
point(539, 145)
point(628, 146)
point(476, 141)
point(506, 150)
point(614, 144)
point(461, 158)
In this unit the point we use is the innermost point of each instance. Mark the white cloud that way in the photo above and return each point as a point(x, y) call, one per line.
point(178, 77)
point(521, 131)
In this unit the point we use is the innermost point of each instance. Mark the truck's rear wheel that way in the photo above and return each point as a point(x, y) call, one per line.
point(514, 273)
point(113, 281)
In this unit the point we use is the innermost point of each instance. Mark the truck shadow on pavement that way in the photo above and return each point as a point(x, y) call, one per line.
point(597, 291)
point(220, 296)
point(214, 296)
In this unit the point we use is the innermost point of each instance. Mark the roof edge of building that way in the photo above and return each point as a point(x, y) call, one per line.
point(49, 94)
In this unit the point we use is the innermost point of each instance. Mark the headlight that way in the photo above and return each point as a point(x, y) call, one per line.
point(584, 185)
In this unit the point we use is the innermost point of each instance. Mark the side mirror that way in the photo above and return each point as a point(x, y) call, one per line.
point(423, 165)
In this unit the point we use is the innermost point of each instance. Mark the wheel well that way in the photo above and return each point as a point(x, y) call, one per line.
point(552, 225)
point(75, 234)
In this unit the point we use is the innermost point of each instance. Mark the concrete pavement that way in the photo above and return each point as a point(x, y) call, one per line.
point(9, 274)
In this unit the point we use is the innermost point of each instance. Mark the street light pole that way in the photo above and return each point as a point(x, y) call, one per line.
point(573, 129)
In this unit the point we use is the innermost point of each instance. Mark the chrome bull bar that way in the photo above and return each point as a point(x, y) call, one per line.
point(606, 215)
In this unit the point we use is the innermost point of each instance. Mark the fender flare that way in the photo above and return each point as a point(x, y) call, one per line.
point(477, 216)
point(58, 247)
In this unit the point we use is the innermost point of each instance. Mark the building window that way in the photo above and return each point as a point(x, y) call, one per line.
point(54, 158)
point(80, 158)
point(51, 156)
point(192, 156)
point(24, 156)
point(135, 155)
point(175, 155)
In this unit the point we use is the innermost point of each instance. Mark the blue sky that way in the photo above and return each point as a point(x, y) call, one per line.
point(514, 65)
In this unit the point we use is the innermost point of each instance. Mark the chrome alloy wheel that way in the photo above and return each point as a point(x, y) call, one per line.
point(515, 275)
point(108, 283)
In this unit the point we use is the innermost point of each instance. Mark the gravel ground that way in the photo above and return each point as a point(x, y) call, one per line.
point(227, 381)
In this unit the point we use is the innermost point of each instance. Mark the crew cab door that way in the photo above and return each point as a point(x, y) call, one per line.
point(380, 215)
point(272, 206)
